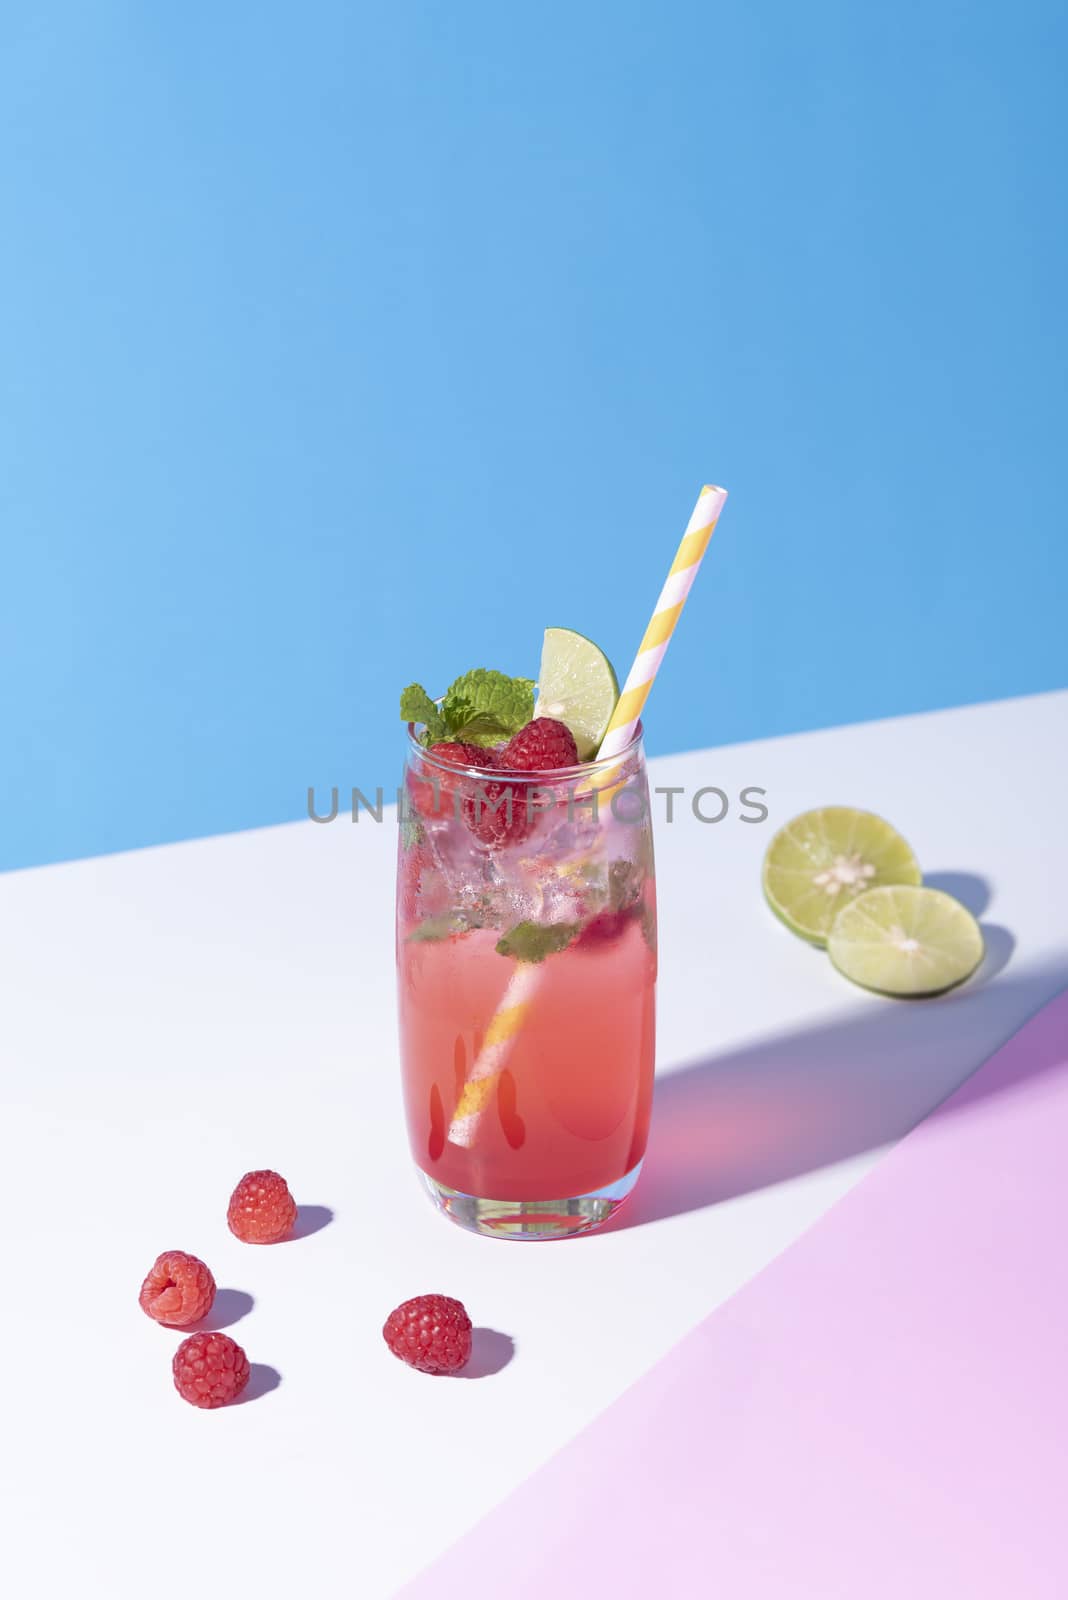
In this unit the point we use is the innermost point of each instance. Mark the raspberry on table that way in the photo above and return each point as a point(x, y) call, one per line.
point(541, 746)
point(179, 1289)
point(261, 1209)
point(209, 1369)
point(431, 1333)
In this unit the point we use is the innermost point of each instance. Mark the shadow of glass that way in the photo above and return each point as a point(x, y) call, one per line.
point(739, 1121)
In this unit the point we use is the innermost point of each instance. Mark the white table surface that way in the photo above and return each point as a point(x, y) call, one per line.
point(175, 1016)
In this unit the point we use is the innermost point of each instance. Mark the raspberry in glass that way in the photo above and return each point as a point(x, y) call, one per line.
point(496, 813)
point(431, 790)
point(541, 746)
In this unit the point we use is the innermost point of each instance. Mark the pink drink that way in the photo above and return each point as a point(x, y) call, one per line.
point(568, 897)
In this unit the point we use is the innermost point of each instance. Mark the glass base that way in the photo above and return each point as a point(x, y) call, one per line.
point(531, 1219)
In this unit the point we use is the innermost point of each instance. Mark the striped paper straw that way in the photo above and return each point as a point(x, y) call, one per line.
point(625, 718)
point(519, 995)
point(506, 1022)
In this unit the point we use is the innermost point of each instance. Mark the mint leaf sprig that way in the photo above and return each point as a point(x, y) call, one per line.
point(533, 941)
point(617, 898)
point(482, 708)
point(417, 706)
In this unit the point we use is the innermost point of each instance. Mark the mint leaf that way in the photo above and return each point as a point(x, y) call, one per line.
point(478, 727)
point(442, 927)
point(482, 707)
point(417, 706)
point(624, 884)
point(625, 895)
point(533, 941)
point(411, 829)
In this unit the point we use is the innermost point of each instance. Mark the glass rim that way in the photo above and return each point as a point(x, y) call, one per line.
point(546, 774)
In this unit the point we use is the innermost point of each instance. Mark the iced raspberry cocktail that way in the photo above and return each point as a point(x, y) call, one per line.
point(526, 929)
point(526, 953)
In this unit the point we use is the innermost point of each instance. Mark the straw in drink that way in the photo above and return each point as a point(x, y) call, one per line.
point(526, 947)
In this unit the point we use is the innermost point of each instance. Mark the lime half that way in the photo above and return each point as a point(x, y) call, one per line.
point(903, 940)
point(576, 685)
point(823, 859)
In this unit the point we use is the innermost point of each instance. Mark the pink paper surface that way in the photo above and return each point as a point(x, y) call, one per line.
point(881, 1413)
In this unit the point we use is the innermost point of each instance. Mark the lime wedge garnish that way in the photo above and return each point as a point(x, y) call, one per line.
point(576, 685)
point(823, 859)
point(903, 940)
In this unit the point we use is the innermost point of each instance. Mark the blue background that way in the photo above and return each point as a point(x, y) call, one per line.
point(343, 345)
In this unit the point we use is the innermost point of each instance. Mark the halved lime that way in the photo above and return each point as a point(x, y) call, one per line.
point(903, 940)
point(823, 859)
point(576, 685)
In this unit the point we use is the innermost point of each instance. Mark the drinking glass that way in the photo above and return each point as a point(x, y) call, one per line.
point(526, 962)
